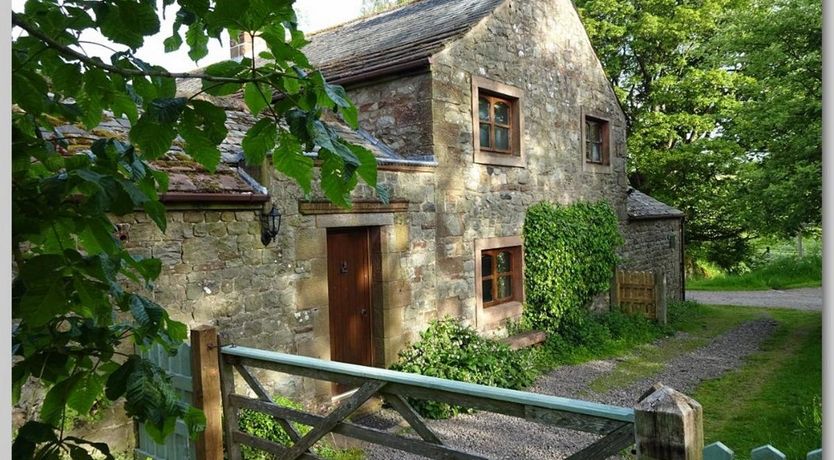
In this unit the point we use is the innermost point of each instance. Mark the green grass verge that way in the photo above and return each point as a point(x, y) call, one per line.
point(781, 273)
point(774, 398)
point(700, 323)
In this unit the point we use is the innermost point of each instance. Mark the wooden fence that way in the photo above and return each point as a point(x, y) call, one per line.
point(664, 424)
point(640, 292)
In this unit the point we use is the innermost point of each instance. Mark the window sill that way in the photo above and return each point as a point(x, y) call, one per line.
point(596, 167)
point(492, 316)
point(499, 159)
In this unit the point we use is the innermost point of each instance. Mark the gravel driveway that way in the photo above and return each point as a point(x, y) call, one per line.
point(800, 299)
point(504, 437)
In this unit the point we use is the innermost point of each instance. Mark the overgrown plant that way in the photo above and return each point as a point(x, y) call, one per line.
point(77, 302)
point(264, 426)
point(450, 350)
point(569, 256)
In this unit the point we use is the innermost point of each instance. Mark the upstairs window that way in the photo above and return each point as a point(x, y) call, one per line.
point(497, 123)
point(596, 141)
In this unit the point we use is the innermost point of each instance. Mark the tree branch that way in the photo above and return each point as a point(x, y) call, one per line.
point(18, 21)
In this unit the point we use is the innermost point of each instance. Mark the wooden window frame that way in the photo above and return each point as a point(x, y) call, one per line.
point(495, 275)
point(491, 315)
point(495, 91)
point(604, 165)
point(494, 101)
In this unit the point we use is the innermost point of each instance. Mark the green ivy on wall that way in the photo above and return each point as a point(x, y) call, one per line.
point(569, 254)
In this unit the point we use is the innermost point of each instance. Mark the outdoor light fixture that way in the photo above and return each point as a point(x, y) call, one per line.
point(270, 224)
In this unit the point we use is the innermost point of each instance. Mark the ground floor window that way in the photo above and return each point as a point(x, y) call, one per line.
point(500, 273)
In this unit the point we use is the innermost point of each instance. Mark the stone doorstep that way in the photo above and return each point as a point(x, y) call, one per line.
point(527, 339)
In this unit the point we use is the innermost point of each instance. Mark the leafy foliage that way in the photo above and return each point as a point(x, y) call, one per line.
point(723, 106)
point(264, 426)
point(448, 349)
point(778, 43)
point(569, 255)
point(78, 304)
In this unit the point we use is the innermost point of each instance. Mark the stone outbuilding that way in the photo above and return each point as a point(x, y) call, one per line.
point(475, 110)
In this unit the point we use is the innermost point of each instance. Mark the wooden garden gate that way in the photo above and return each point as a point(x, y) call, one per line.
point(178, 446)
point(640, 292)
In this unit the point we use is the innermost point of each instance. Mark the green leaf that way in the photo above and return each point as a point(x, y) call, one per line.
point(123, 104)
point(259, 140)
point(165, 111)
point(56, 399)
point(200, 147)
point(367, 164)
point(65, 78)
point(257, 96)
point(153, 138)
point(197, 41)
point(85, 393)
point(127, 22)
point(41, 303)
point(289, 159)
point(117, 382)
point(195, 420)
point(156, 211)
point(172, 43)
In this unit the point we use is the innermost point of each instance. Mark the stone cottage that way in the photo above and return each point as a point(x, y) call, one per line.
point(475, 109)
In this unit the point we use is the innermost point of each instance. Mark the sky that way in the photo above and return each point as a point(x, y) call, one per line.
point(313, 15)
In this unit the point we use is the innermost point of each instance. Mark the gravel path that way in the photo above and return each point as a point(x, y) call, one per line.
point(800, 299)
point(499, 436)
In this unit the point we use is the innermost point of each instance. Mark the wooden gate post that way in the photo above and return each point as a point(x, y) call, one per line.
point(205, 369)
point(660, 296)
point(668, 425)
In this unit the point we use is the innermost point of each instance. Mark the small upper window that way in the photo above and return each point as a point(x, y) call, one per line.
point(497, 123)
point(596, 141)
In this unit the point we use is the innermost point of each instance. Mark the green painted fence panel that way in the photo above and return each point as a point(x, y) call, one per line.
point(178, 446)
point(718, 451)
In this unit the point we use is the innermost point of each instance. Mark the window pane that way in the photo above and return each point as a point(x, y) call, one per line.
point(502, 138)
point(596, 152)
point(483, 109)
point(504, 262)
point(502, 113)
point(485, 135)
point(505, 287)
point(593, 131)
point(487, 295)
point(486, 265)
point(588, 150)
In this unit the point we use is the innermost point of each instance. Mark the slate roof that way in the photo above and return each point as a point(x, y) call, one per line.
point(393, 40)
point(188, 180)
point(642, 206)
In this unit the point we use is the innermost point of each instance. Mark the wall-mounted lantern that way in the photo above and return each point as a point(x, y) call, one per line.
point(270, 224)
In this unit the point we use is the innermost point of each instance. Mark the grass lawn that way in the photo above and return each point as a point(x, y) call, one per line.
point(781, 273)
point(774, 398)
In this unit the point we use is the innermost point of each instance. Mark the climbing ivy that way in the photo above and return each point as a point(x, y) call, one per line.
point(570, 252)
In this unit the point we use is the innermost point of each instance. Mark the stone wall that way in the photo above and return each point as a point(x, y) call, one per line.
point(397, 112)
point(647, 247)
point(541, 48)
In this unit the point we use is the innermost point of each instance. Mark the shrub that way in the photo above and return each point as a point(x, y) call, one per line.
point(570, 254)
point(450, 350)
point(265, 427)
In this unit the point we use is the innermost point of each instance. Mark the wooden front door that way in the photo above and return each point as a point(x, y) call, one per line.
point(349, 279)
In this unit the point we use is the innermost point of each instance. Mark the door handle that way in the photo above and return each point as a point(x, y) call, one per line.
point(344, 267)
point(364, 312)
